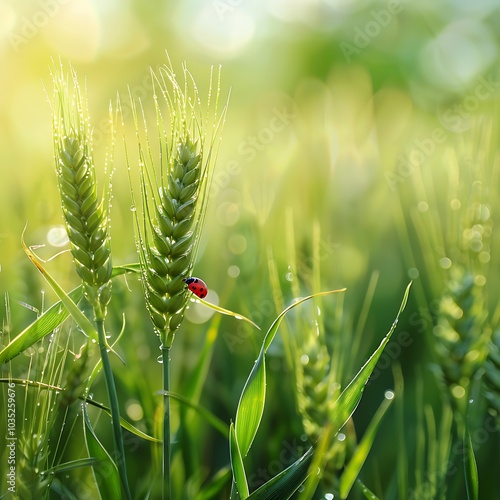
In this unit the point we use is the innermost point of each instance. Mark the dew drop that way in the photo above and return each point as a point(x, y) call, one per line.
point(133, 208)
point(160, 358)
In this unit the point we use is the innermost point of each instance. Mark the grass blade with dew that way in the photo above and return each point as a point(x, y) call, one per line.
point(366, 492)
point(42, 326)
point(251, 404)
point(353, 467)
point(351, 395)
point(287, 482)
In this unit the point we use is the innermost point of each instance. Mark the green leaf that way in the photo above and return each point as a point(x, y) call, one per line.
point(81, 320)
point(287, 482)
point(212, 419)
point(317, 464)
point(352, 469)
point(68, 466)
point(105, 470)
point(227, 312)
point(214, 487)
point(470, 467)
point(253, 396)
point(366, 492)
point(237, 465)
point(351, 395)
point(51, 318)
point(42, 326)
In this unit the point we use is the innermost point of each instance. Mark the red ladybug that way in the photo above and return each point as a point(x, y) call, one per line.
point(197, 286)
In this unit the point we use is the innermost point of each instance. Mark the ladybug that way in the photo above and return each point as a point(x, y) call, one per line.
point(197, 286)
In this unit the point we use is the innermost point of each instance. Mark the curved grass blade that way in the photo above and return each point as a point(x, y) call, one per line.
point(352, 469)
point(351, 395)
point(287, 482)
point(74, 464)
point(237, 466)
point(214, 421)
point(366, 492)
point(105, 470)
point(213, 489)
point(81, 320)
point(126, 425)
point(227, 312)
point(251, 404)
point(42, 326)
point(50, 320)
point(470, 467)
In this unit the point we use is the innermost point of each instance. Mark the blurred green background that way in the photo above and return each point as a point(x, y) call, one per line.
point(342, 113)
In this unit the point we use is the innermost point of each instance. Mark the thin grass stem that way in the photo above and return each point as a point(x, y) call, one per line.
point(167, 480)
point(115, 410)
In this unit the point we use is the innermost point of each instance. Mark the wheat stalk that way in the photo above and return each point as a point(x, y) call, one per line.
point(87, 225)
point(174, 195)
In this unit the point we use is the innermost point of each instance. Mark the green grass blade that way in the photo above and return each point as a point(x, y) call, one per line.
point(351, 395)
point(271, 333)
point(74, 464)
point(317, 465)
point(126, 425)
point(227, 312)
point(287, 482)
point(81, 320)
point(354, 466)
point(210, 418)
point(42, 326)
point(105, 471)
point(237, 465)
point(470, 467)
point(50, 320)
point(214, 487)
point(366, 492)
point(251, 404)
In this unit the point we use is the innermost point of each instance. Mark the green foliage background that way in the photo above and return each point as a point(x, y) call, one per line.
point(357, 116)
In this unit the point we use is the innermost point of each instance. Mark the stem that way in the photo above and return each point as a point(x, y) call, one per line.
point(115, 410)
point(167, 483)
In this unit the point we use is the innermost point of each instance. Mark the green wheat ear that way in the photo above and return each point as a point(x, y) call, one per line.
point(174, 189)
point(491, 377)
point(462, 334)
point(84, 211)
